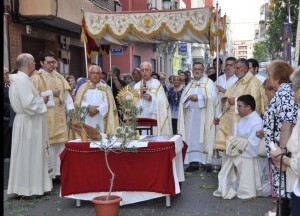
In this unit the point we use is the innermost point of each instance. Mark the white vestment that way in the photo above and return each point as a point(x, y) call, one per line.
point(226, 83)
point(96, 97)
point(195, 120)
point(28, 169)
point(242, 173)
point(260, 77)
point(158, 108)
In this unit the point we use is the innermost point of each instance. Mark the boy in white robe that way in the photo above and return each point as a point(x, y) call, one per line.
point(241, 173)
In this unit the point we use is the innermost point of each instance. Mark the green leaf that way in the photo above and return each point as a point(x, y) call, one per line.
point(212, 186)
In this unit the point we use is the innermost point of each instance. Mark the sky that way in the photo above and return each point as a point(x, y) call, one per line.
point(244, 15)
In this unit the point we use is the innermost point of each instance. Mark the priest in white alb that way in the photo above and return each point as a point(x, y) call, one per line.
point(154, 100)
point(28, 168)
point(197, 110)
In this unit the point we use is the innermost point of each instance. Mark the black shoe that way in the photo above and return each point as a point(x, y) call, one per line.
point(208, 168)
point(32, 197)
point(191, 169)
point(202, 167)
point(56, 180)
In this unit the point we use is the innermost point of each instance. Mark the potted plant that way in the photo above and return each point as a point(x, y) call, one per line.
point(126, 132)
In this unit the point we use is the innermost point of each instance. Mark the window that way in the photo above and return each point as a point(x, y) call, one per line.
point(161, 65)
point(153, 63)
point(242, 52)
point(136, 61)
point(242, 47)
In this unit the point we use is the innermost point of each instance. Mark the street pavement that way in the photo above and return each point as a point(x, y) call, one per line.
point(195, 199)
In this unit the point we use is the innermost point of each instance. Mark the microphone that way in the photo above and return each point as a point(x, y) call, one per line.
point(144, 85)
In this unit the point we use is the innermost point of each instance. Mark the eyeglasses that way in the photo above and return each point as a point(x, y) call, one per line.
point(50, 62)
point(95, 73)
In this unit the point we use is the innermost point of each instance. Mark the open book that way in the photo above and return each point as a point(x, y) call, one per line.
point(157, 138)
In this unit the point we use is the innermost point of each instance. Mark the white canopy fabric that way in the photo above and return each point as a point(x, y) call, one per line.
point(127, 28)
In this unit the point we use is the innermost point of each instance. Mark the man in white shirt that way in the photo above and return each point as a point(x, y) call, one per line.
point(253, 68)
point(241, 173)
point(197, 109)
point(97, 96)
point(227, 79)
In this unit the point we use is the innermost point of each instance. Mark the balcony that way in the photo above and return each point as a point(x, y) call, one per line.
point(65, 14)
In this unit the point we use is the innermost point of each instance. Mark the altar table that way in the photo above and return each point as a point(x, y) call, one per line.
point(151, 172)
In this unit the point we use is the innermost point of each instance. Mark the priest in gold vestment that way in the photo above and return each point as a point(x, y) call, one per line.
point(50, 83)
point(246, 84)
point(97, 96)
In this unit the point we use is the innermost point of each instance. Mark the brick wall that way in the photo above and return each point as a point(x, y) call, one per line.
point(38, 40)
point(15, 32)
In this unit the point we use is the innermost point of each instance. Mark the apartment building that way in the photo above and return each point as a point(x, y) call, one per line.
point(242, 49)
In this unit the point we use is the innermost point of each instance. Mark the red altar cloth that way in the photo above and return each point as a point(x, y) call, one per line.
point(83, 169)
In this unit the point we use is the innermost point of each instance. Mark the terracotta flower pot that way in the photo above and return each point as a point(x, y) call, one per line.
point(107, 208)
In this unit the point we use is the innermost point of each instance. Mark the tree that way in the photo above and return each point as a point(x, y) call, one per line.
point(260, 52)
point(274, 33)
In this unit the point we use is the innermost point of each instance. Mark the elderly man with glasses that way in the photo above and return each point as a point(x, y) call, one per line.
point(97, 96)
point(50, 83)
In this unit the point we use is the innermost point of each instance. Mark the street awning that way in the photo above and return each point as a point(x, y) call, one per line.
point(159, 26)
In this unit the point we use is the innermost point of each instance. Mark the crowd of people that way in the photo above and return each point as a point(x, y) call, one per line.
point(236, 111)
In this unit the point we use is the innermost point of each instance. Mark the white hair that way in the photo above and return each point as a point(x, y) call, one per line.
point(148, 63)
point(97, 66)
point(22, 59)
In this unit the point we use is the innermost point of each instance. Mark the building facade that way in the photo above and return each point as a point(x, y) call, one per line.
point(33, 25)
point(30, 27)
point(242, 49)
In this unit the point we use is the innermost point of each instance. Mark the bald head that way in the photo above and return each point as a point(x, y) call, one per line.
point(146, 70)
point(25, 63)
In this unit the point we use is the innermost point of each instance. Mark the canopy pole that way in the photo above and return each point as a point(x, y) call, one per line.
point(217, 62)
point(85, 53)
point(111, 81)
point(85, 57)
